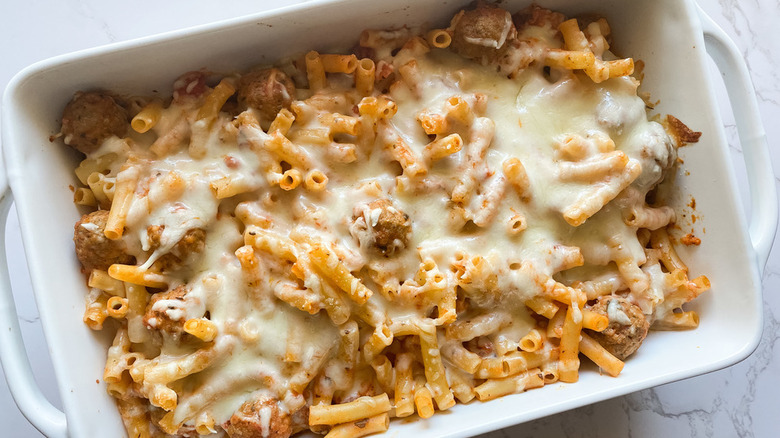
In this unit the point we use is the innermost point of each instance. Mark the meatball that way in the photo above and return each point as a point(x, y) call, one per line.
point(193, 242)
point(259, 417)
point(93, 249)
point(267, 90)
point(382, 225)
point(166, 311)
point(482, 33)
point(627, 326)
point(535, 15)
point(90, 118)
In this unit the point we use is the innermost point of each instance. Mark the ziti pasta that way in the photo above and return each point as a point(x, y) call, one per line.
point(338, 240)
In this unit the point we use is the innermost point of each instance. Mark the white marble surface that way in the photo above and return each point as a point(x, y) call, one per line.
point(739, 401)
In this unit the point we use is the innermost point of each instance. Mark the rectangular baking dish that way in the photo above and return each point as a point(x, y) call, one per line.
point(669, 35)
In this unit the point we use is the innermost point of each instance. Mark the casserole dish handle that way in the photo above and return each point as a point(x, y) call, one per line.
point(16, 366)
point(761, 178)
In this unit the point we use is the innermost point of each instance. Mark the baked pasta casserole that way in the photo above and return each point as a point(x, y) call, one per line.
point(335, 240)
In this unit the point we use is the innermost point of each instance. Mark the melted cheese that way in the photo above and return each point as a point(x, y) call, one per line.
point(531, 114)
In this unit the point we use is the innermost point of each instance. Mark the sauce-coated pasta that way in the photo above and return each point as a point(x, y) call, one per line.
point(343, 239)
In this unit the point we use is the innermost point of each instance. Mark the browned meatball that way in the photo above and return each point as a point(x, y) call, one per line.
point(192, 243)
point(267, 90)
point(535, 15)
point(627, 326)
point(165, 311)
point(260, 417)
point(482, 33)
point(90, 118)
point(387, 227)
point(299, 419)
point(93, 249)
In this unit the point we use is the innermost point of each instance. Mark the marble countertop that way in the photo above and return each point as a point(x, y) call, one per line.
point(738, 401)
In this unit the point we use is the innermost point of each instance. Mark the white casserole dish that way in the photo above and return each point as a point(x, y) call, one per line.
point(667, 35)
